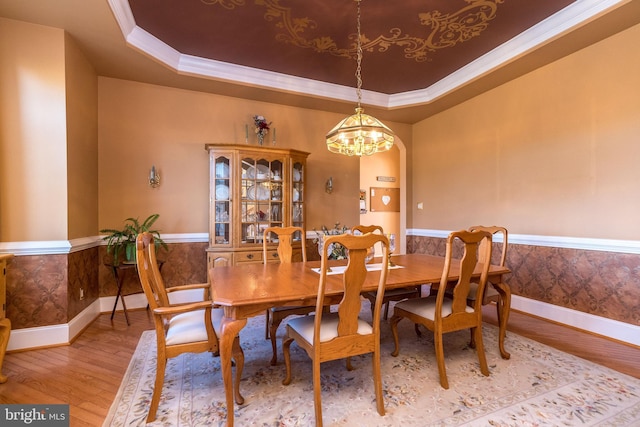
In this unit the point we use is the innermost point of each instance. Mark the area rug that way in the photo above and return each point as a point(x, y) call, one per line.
point(538, 386)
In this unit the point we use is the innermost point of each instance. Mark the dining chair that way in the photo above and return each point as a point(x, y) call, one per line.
point(343, 333)
point(389, 295)
point(182, 327)
point(491, 294)
point(275, 315)
point(442, 315)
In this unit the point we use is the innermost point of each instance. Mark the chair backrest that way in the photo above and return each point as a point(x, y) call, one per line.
point(149, 272)
point(476, 246)
point(364, 229)
point(286, 237)
point(353, 279)
point(495, 230)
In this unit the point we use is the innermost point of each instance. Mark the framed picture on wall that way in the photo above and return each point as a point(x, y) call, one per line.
point(363, 202)
point(384, 199)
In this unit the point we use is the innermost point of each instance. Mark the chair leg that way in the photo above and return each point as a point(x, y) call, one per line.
point(482, 358)
point(157, 389)
point(416, 327)
point(377, 382)
point(349, 366)
point(394, 332)
point(286, 344)
point(317, 399)
point(437, 340)
point(267, 316)
point(386, 310)
point(273, 328)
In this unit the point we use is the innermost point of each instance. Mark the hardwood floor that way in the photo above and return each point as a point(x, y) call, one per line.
point(87, 373)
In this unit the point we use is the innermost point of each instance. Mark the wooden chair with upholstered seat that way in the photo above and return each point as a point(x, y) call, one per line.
point(341, 334)
point(180, 328)
point(442, 315)
point(275, 315)
point(500, 293)
point(389, 295)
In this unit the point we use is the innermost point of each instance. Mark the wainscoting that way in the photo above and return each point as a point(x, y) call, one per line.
point(55, 290)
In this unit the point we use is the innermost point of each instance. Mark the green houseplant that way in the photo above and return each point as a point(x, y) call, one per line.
point(121, 244)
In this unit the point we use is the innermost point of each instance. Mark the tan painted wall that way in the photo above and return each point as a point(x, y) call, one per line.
point(554, 152)
point(141, 125)
point(82, 142)
point(33, 139)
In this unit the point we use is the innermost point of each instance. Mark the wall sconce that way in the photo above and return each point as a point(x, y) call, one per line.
point(328, 186)
point(154, 177)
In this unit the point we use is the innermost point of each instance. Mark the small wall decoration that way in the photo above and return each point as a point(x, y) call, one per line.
point(385, 199)
point(363, 202)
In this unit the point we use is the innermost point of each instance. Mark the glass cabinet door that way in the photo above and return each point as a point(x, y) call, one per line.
point(297, 194)
point(262, 198)
point(222, 196)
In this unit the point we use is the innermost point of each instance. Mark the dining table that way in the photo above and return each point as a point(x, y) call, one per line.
point(245, 291)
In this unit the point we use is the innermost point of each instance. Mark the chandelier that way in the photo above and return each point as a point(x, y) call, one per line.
point(359, 134)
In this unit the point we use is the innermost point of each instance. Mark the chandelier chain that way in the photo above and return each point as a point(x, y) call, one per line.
point(359, 59)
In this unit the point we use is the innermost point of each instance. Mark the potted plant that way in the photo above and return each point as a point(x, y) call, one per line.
point(121, 244)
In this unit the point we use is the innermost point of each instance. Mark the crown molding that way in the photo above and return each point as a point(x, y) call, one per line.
point(563, 21)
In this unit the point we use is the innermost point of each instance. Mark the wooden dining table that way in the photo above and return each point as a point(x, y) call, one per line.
point(248, 290)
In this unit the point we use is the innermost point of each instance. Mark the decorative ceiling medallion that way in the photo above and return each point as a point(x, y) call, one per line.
point(443, 29)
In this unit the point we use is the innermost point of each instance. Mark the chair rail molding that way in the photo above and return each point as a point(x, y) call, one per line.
point(590, 244)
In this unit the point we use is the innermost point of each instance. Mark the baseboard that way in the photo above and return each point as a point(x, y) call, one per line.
point(54, 335)
point(50, 336)
point(619, 331)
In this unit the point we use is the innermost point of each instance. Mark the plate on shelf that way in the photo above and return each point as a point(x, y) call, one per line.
point(261, 172)
point(222, 170)
point(222, 192)
point(296, 195)
point(296, 175)
point(257, 193)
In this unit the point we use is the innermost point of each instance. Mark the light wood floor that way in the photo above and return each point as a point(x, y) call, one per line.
point(87, 373)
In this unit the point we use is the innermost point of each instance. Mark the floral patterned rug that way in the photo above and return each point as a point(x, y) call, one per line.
point(538, 386)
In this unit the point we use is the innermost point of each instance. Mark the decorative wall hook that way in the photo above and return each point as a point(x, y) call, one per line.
point(154, 177)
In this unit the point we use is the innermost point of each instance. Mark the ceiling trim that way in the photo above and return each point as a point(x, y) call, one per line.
point(563, 21)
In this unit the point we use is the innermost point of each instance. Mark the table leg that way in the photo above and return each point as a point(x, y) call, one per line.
point(504, 308)
point(229, 330)
point(5, 332)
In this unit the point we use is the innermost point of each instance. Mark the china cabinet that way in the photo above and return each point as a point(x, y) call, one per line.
point(252, 188)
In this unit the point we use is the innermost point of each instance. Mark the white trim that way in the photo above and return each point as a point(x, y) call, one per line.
point(584, 243)
point(23, 339)
point(47, 336)
point(609, 328)
point(563, 21)
point(68, 246)
point(54, 247)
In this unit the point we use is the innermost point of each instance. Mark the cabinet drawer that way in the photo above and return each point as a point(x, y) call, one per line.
point(250, 256)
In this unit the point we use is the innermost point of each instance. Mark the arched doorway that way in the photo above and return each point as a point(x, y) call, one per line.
point(386, 170)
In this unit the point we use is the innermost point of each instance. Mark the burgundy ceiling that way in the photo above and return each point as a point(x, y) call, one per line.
point(413, 43)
